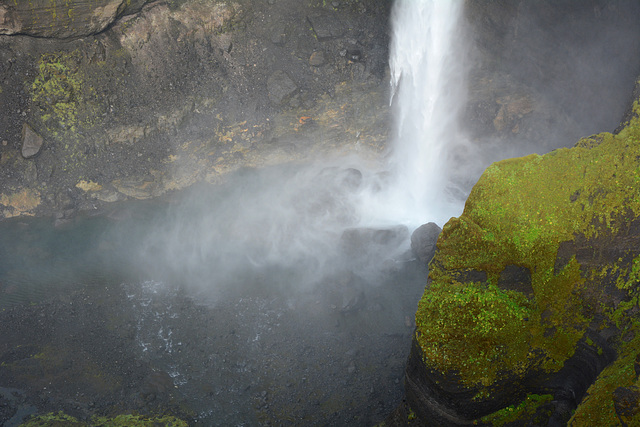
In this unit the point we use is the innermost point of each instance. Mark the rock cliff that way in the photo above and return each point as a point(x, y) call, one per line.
point(138, 98)
point(532, 306)
point(111, 100)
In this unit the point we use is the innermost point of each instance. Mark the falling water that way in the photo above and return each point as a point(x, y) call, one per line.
point(427, 58)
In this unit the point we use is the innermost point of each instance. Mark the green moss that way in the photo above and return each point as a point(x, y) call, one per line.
point(53, 419)
point(64, 100)
point(54, 90)
point(518, 214)
point(138, 421)
point(477, 320)
point(525, 410)
point(597, 408)
point(61, 419)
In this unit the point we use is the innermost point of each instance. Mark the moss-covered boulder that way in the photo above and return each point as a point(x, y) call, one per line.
point(533, 294)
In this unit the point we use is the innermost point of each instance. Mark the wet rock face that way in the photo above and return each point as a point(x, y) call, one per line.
point(527, 87)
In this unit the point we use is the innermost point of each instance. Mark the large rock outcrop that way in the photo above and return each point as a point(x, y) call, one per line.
point(62, 19)
point(531, 313)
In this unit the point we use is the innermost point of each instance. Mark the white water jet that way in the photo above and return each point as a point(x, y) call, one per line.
point(428, 89)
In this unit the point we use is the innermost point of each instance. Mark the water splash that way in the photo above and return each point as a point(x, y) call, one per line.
point(428, 87)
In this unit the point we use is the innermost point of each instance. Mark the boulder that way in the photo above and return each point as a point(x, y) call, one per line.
point(549, 302)
point(423, 241)
point(326, 26)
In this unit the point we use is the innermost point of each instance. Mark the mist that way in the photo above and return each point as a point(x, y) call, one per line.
point(296, 223)
point(301, 224)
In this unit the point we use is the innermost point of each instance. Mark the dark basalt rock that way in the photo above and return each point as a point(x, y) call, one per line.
point(626, 402)
point(423, 241)
point(326, 26)
point(280, 87)
point(516, 278)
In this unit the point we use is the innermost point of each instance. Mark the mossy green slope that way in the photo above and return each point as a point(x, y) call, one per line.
point(519, 213)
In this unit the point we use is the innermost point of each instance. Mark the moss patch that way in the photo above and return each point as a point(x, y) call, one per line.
point(519, 213)
point(525, 410)
point(61, 419)
point(59, 91)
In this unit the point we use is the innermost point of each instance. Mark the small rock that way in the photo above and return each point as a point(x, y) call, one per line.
point(279, 37)
point(280, 87)
point(316, 59)
point(31, 142)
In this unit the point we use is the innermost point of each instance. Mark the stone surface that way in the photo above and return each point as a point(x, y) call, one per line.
point(326, 26)
point(556, 309)
point(423, 241)
point(280, 87)
point(316, 59)
point(31, 142)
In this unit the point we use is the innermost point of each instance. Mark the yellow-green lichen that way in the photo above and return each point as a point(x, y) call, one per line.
point(518, 213)
point(525, 410)
point(60, 92)
point(59, 419)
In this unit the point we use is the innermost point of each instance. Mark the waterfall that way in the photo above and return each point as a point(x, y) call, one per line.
point(428, 87)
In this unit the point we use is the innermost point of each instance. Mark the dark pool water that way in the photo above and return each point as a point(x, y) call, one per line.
point(236, 319)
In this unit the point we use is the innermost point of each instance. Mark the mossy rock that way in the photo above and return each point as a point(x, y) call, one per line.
point(62, 419)
point(571, 220)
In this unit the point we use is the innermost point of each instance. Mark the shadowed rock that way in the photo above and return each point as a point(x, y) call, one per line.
point(423, 241)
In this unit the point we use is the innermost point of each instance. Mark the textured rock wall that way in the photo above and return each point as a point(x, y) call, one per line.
point(179, 92)
point(155, 96)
